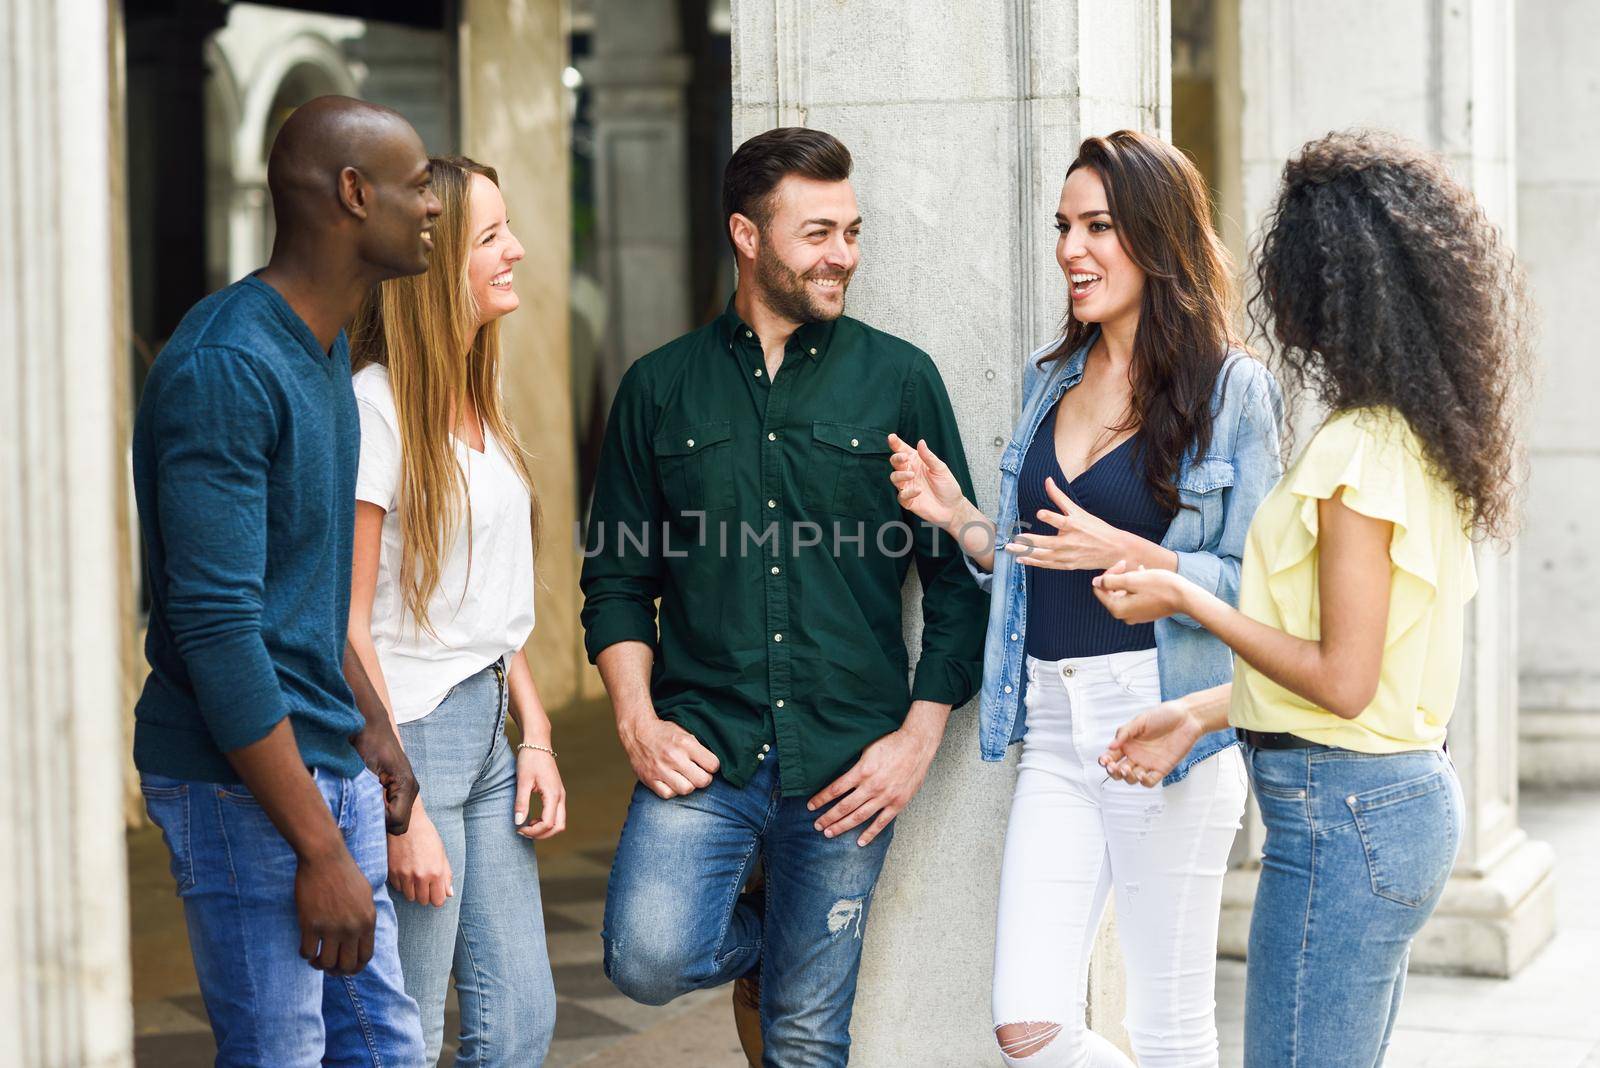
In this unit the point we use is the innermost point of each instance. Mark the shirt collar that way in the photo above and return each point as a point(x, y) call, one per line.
point(811, 339)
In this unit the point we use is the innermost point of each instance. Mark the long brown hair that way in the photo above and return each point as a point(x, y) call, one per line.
point(1162, 214)
point(415, 327)
point(1385, 284)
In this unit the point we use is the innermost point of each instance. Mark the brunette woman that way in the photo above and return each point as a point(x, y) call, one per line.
point(1145, 436)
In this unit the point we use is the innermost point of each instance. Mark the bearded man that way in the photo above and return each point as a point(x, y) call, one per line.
point(744, 484)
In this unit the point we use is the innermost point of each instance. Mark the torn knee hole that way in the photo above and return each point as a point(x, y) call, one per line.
point(1021, 1040)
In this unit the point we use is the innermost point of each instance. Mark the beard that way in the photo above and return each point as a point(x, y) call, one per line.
point(787, 292)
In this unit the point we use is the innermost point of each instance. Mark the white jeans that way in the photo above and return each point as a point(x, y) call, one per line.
point(1075, 835)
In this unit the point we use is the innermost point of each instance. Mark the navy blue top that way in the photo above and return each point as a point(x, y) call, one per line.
point(1065, 620)
point(244, 467)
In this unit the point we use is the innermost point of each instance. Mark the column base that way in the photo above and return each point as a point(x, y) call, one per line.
point(1488, 923)
point(1559, 747)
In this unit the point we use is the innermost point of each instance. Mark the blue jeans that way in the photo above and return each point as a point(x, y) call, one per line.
point(676, 921)
point(491, 932)
point(1358, 850)
point(235, 875)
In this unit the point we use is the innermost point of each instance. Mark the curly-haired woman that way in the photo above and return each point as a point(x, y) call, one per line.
point(1398, 307)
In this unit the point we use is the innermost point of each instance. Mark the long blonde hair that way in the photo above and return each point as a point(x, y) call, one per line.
point(414, 326)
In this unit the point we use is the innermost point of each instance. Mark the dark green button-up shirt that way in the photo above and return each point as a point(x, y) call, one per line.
point(760, 513)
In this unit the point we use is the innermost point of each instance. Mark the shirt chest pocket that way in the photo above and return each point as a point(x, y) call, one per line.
point(695, 465)
point(848, 472)
point(1203, 491)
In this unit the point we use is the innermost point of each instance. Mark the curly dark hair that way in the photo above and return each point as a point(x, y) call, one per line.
point(1384, 284)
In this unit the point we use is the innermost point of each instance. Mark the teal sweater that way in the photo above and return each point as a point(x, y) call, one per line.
point(244, 465)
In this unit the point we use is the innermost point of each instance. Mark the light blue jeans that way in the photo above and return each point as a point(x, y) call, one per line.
point(676, 920)
point(1358, 850)
point(235, 873)
point(491, 932)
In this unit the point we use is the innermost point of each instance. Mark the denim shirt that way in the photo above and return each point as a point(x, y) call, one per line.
point(1221, 491)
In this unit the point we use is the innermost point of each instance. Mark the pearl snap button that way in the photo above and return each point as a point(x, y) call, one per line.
point(772, 504)
point(777, 637)
point(813, 352)
point(855, 443)
point(748, 334)
point(690, 443)
point(758, 374)
point(772, 437)
point(780, 702)
point(1008, 689)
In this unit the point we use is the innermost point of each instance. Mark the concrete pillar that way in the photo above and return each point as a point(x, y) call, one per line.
point(513, 118)
point(1498, 908)
point(638, 74)
point(64, 986)
point(962, 119)
point(1558, 209)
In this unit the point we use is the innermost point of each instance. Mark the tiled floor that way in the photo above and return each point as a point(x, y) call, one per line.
point(1548, 1017)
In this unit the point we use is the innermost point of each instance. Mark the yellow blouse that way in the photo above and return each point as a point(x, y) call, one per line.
point(1375, 456)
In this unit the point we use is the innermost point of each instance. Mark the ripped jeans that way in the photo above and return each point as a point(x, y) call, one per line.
point(1076, 836)
point(676, 920)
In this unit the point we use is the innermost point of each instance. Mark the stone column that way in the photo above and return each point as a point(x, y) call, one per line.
point(638, 74)
point(962, 119)
point(1307, 68)
point(1558, 210)
point(512, 115)
point(64, 985)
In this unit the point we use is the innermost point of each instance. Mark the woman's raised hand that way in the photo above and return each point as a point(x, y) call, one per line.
point(924, 483)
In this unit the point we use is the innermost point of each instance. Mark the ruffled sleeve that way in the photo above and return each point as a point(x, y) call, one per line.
point(1375, 458)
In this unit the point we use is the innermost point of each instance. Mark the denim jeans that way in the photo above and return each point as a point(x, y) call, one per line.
point(235, 873)
point(491, 931)
point(1358, 850)
point(676, 921)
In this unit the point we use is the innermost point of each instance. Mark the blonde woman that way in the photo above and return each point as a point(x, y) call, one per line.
point(441, 605)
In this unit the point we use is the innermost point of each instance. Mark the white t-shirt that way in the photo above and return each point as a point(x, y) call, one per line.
point(475, 619)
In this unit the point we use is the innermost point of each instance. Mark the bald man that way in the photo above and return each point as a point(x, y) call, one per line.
point(270, 773)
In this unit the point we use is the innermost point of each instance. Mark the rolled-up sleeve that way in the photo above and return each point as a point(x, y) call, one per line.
point(621, 580)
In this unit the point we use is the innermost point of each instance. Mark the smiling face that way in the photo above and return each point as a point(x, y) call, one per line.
point(492, 251)
point(1106, 285)
point(401, 208)
point(807, 251)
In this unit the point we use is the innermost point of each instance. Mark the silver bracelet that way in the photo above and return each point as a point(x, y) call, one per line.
point(540, 748)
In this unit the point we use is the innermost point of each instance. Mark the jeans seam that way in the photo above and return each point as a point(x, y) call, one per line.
point(733, 901)
point(482, 998)
point(238, 919)
point(1305, 931)
point(360, 1012)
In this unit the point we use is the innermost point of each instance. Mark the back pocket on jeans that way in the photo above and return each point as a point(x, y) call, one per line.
point(1409, 833)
